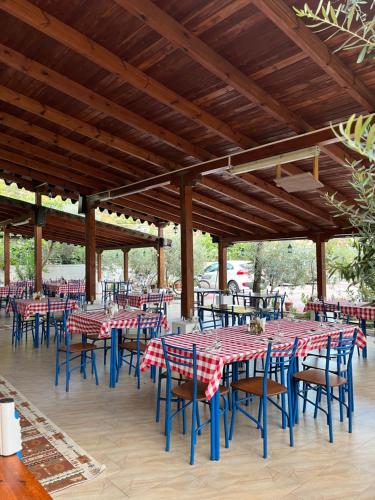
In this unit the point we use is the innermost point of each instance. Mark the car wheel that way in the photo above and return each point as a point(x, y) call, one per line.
point(233, 287)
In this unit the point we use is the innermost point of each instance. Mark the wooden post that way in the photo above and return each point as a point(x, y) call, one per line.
point(6, 257)
point(222, 259)
point(321, 267)
point(99, 265)
point(187, 259)
point(90, 235)
point(161, 256)
point(126, 263)
point(38, 258)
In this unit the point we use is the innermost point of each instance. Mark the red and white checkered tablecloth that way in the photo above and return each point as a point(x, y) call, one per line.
point(239, 345)
point(28, 307)
point(138, 300)
point(11, 291)
point(331, 306)
point(97, 322)
point(356, 311)
point(65, 288)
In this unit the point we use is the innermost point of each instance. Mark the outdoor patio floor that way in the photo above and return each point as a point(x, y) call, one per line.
point(117, 427)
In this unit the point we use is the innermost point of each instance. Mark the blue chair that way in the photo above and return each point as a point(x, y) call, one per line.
point(20, 326)
point(149, 327)
point(265, 388)
point(336, 373)
point(214, 320)
point(188, 393)
point(82, 351)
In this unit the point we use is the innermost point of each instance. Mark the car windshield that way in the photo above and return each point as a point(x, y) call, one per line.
point(211, 268)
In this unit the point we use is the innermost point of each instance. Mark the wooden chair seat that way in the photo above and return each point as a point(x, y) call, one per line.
point(79, 347)
point(185, 390)
point(132, 346)
point(320, 364)
point(254, 385)
point(318, 377)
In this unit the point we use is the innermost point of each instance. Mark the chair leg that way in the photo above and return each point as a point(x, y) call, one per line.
point(225, 419)
point(329, 416)
point(158, 396)
point(67, 372)
point(265, 436)
point(290, 418)
point(234, 411)
point(57, 368)
point(317, 400)
point(168, 418)
point(93, 364)
point(193, 432)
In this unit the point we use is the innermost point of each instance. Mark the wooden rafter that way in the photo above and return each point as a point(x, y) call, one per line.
point(76, 41)
point(285, 19)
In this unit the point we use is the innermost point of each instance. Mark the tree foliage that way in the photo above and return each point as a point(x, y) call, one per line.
point(349, 18)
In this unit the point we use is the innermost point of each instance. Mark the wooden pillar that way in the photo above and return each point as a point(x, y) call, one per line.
point(6, 257)
point(321, 267)
point(161, 256)
point(126, 263)
point(99, 265)
point(222, 259)
point(38, 257)
point(187, 259)
point(90, 236)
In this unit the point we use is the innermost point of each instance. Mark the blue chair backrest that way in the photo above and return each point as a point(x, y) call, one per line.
point(282, 358)
point(341, 349)
point(215, 321)
point(150, 323)
point(180, 360)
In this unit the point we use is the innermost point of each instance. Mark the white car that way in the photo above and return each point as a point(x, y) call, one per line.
point(238, 275)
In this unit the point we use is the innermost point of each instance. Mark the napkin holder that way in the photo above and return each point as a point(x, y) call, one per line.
point(112, 309)
point(257, 326)
point(10, 428)
point(37, 296)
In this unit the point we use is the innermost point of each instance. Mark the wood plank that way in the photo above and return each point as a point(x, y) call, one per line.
point(169, 28)
point(187, 259)
point(222, 259)
point(321, 271)
point(76, 41)
point(94, 100)
point(126, 263)
point(99, 265)
point(17, 482)
point(90, 248)
point(6, 236)
point(285, 19)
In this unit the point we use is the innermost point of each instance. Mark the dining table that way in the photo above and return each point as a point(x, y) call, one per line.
point(64, 288)
point(11, 291)
point(363, 311)
point(228, 311)
point(103, 326)
point(231, 345)
point(37, 307)
point(140, 300)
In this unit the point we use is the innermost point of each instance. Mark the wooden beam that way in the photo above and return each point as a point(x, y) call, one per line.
point(38, 255)
point(99, 264)
point(161, 257)
point(74, 124)
point(76, 41)
point(285, 19)
point(321, 272)
point(169, 28)
point(150, 14)
point(187, 259)
point(96, 101)
point(90, 246)
point(52, 138)
point(126, 263)
point(6, 257)
point(222, 259)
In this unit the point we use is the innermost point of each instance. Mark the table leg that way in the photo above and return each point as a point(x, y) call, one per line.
point(216, 415)
point(226, 319)
point(112, 369)
point(36, 333)
point(363, 327)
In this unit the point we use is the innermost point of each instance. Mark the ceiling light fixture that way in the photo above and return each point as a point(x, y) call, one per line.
point(272, 161)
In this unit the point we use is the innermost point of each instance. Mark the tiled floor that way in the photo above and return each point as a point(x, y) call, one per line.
point(118, 428)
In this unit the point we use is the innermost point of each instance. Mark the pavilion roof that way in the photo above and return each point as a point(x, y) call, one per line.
point(109, 92)
point(19, 218)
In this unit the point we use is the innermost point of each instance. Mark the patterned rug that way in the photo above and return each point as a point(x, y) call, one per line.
point(56, 461)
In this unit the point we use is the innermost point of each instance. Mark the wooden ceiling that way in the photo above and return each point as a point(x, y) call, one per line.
point(107, 92)
point(19, 217)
